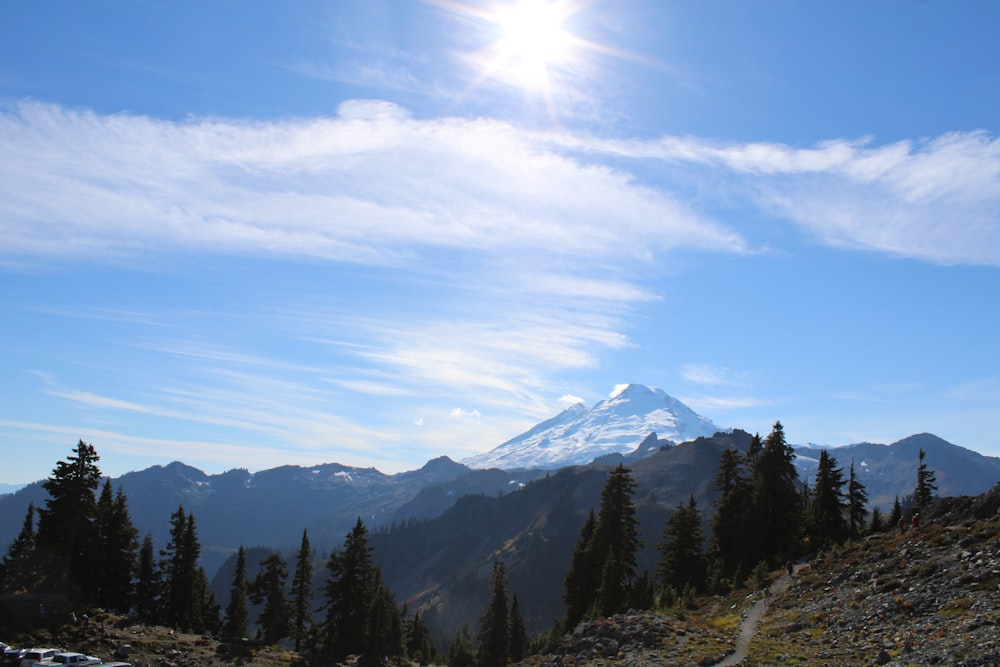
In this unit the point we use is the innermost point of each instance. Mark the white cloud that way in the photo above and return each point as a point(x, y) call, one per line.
point(570, 400)
point(714, 376)
point(466, 415)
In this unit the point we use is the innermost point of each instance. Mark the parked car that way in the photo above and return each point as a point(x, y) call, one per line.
point(35, 655)
point(11, 655)
point(70, 659)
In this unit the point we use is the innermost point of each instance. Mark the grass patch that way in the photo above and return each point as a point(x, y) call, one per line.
point(956, 608)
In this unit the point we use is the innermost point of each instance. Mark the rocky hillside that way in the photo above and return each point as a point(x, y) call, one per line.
point(925, 597)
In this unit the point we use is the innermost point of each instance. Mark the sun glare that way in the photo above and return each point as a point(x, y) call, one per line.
point(533, 39)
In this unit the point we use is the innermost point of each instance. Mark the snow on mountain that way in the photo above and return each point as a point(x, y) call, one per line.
point(578, 435)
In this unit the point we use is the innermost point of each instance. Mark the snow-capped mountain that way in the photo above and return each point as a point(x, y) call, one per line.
point(579, 434)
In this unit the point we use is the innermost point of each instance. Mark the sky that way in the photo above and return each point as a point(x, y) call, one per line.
point(250, 234)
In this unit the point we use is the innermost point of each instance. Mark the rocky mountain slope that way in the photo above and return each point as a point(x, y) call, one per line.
point(924, 597)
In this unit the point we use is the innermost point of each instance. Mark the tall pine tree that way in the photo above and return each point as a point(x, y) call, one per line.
point(19, 569)
point(350, 591)
point(579, 583)
point(119, 543)
point(616, 541)
point(268, 588)
point(776, 509)
point(237, 615)
point(66, 539)
point(827, 508)
point(682, 557)
point(857, 505)
point(301, 593)
point(494, 622)
point(730, 536)
point(923, 494)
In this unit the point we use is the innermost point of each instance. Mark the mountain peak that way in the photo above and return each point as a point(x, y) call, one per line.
point(579, 434)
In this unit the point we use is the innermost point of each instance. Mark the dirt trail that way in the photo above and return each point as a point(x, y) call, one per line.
point(748, 627)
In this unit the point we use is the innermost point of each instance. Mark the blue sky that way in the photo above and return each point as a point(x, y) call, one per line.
point(247, 234)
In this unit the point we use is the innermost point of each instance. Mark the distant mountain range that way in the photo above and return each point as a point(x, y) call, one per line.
point(634, 415)
point(437, 529)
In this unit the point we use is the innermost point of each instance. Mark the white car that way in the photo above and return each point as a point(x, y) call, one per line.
point(35, 655)
point(69, 659)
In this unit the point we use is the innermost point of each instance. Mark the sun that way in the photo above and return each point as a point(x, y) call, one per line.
point(533, 39)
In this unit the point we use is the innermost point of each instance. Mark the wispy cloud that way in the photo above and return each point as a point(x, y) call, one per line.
point(933, 199)
point(714, 376)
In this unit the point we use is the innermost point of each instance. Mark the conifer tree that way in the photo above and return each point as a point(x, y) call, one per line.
point(826, 520)
point(460, 653)
point(148, 583)
point(349, 594)
point(418, 641)
point(895, 514)
point(857, 504)
point(877, 524)
point(385, 627)
point(776, 513)
point(518, 633)
point(18, 569)
point(494, 622)
point(236, 612)
point(729, 537)
point(66, 537)
point(583, 572)
point(118, 539)
point(924, 492)
point(302, 592)
point(268, 588)
point(682, 559)
point(183, 601)
point(616, 541)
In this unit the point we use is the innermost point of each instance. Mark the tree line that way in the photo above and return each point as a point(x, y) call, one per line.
point(82, 544)
point(763, 516)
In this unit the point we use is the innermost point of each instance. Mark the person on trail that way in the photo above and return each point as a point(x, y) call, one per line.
point(902, 526)
point(790, 568)
point(916, 521)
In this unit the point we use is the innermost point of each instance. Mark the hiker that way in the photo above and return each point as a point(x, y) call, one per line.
point(916, 521)
point(790, 568)
point(902, 526)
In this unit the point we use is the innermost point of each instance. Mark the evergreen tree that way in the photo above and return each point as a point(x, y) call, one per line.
point(616, 541)
point(924, 492)
point(236, 612)
point(206, 610)
point(268, 588)
point(579, 583)
point(418, 641)
point(114, 573)
point(729, 537)
point(776, 512)
point(349, 594)
point(66, 538)
point(682, 558)
point(148, 584)
point(385, 627)
point(518, 633)
point(494, 628)
point(857, 504)
point(460, 652)
point(877, 524)
point(183, 599)
point(895, 514)
point(302, 592)
point(18, 569)
point(826, 520)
